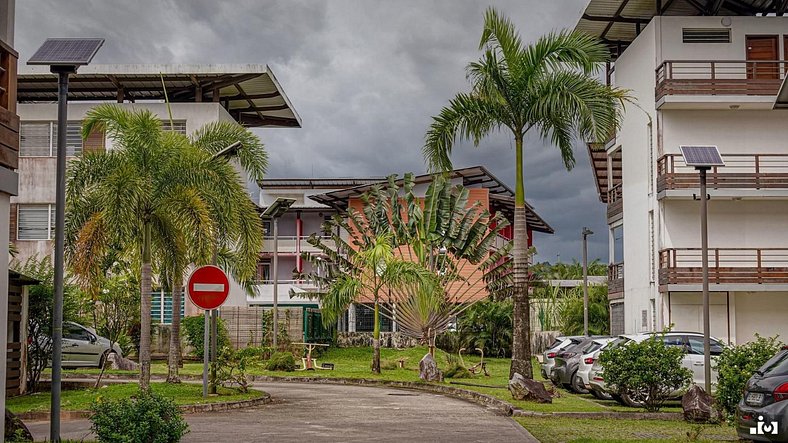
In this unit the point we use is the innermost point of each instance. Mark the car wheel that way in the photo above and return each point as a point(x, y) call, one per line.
point(634, 399)
point(577, 384)
point(601, 395)
point(618, 399)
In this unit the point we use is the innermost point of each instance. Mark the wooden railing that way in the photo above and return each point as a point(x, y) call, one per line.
point(719, 77)
point(615, 202)
point(9, 121)
point(726, 265)
point(743, 171)
point(615, 278)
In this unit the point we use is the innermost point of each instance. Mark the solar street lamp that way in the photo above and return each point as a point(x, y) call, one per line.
point(586, 232)
point(703, 158)
point(277, 209)
point(63, 56)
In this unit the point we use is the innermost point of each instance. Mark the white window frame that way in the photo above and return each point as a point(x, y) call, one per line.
point(52, 139)
point(50, 221)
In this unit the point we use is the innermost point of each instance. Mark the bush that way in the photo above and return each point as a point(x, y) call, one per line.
point(281, 361)
point(487, 325)
point(736, 365)
point(646, 372)
point(256, 352)
point(145, 417)
point(457, 371)
point(231, 366)
point(194, 328)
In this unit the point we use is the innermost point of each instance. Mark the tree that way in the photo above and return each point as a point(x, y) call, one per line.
point(156, 198)
point(550, 87)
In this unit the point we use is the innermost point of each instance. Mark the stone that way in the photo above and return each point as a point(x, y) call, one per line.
point(121, 363)
point(698, 406)
point(529, 390)
point(15, 430)
point(428, 369)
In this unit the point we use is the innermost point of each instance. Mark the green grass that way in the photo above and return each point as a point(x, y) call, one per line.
point(559, 430)
point(81, 399)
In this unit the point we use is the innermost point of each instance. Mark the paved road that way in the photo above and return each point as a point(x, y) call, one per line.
point(318, 413)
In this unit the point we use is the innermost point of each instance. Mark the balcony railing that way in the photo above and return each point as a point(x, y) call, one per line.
point(683, 266)
point(720, 77)
point(615, 202)
point(287, 244)
point(742, 171)
point(615, 278)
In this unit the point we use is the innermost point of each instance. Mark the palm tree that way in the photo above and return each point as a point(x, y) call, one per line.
point(550, 87)
point(157, 198)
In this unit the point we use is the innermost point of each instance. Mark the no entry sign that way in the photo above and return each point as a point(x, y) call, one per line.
point(208, 287)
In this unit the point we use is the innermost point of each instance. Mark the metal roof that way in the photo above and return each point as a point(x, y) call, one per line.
point(618, 22)
point(249, 92)
point(316, 183)
point(501, 196)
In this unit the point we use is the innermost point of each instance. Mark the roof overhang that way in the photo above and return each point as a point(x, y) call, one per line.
point(782, 96)
point(250, 93)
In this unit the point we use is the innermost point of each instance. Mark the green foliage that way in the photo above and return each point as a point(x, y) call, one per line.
point(566, 271)
point(146, 417)
point(281, 361)
point(283, 338)
point(572, 312)
point(457, 371)
point(256, 352)
point(487, 325)
point(194, 328)
point(230, 367)
point(736, 365)
point(648, 371)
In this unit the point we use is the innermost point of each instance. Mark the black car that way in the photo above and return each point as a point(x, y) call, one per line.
point(762, 414)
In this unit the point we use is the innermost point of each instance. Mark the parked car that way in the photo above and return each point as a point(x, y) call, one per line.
point(567, 362)
point(584, 365)
point(691, 342)
point(83, 347)
point(762, 413)
point(548, 356)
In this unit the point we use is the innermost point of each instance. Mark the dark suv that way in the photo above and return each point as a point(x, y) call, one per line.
point(762, 414)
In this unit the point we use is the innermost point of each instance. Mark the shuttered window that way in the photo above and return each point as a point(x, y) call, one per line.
point(39, 139)
point(177, 126)
point(706, 35)
point(616, 319)
point(161, 307)
point(36, 222)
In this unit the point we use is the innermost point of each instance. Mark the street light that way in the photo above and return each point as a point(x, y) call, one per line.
point(273, 212)
point(703, 158)
point(586, 232)
point(63, 56)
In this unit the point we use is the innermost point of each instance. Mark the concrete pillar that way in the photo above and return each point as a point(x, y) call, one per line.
point(351, 318)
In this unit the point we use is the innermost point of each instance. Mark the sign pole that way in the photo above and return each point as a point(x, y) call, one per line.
point(205, 348)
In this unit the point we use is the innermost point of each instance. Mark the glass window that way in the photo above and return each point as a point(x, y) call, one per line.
point(365, 319)
point(675, 340)
point(161, 307)
point(35, 222)
point(778, 365)
point(696, 346)
point(34, 139)
point(73, 332)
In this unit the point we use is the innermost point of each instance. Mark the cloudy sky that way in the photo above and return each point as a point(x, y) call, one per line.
point(366, 76)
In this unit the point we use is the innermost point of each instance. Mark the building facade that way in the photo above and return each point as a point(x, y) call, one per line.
point(697, 80)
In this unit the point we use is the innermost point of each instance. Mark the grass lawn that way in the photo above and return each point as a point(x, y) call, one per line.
point(81, 399)
point(558, 430)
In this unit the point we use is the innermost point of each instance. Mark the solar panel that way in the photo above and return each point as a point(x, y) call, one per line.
point(701, 156)
point(66, 51)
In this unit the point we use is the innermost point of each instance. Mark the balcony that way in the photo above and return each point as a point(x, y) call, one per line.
point(291, 245)
point(754, 83)
point(729, 268)
point(615, 204)
point(615, 281)
point(761, 175)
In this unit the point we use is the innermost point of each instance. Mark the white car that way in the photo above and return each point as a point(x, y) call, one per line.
point(83, 347)
point(548, 357)
point(691, 342)
point(587, 362)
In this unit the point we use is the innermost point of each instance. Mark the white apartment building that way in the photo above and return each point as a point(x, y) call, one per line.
point(703, 73)
point(199, 94)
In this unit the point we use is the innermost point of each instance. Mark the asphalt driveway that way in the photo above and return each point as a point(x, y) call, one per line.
point(318, 413)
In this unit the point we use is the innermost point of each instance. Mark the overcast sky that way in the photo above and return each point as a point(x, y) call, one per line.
point(366, 76)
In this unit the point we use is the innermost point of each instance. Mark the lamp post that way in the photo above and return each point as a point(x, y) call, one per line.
point(277, 209)
point(63, 56)
point(703, 158)
point(586, 232)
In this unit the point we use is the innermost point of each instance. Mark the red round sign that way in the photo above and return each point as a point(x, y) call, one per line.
point(208, 287)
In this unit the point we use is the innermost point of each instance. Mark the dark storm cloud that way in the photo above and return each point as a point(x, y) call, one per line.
point(365, 76)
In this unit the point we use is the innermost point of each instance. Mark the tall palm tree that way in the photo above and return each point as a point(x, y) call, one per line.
point(158, 198)
point(550, 87)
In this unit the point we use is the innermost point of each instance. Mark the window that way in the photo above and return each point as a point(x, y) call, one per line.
point(264, 271)
point(39, 139)
point(706, 35)
point(365, 319)
point(696, 346)
point(36, 222)
point(675, 340)
point(777, 365)
point(616, 318)
point(164, 315)
point(178, 126)
point(74, 332)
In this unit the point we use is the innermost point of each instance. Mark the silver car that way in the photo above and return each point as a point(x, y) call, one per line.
point(83, 347)
point(548, 357)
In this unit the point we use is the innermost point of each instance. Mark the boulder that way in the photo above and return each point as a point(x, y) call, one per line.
point(121, 363)
point(428, 369)
point(15, 430)
point(698, 406)
point(529, 390)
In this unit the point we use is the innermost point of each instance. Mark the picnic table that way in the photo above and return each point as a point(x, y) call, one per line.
point(309, 364)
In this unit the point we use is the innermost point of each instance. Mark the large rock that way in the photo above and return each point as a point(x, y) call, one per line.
point(428, 369)
point(121, 363)
point(699, 407)
point(530, 390)
point(15, 430)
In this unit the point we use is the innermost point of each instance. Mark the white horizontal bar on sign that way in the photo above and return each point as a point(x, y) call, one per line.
point(209, 287)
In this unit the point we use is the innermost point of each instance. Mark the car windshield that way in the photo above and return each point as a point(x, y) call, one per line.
point(556, 343)
point(591, 347)
point(777, 366)
point(616, 343)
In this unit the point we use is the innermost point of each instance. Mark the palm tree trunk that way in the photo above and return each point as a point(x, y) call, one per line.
point(376, 341)
point(145, 306)
point(175, 334)
point(521, 334)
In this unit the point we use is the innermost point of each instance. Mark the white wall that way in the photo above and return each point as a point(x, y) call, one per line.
point(761, 312)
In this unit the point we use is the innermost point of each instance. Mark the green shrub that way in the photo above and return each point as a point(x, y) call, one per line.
point(145, 417)
point(736, 365)
point(230, 367)
point(281, 361)
point(194, 328)
point(255, 352)
point(646, 372)
point(457, 371)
